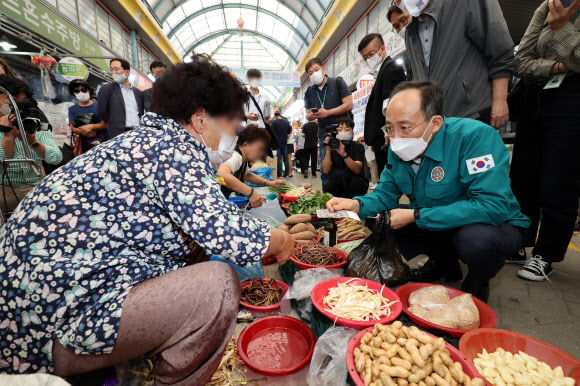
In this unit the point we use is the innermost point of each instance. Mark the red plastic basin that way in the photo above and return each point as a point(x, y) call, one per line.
point(276, 345)
point(341, 254)
point(487, 318)
point(288, 198)
point(473, 343)
point(320, 291)
point(268, 308)
point(456, 356)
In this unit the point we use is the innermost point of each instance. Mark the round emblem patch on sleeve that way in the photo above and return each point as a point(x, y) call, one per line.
point(437, 173)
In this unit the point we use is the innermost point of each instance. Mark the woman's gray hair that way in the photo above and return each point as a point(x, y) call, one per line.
point(432, 96)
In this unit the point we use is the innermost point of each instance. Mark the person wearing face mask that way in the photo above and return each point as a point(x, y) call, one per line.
point(260, 104)
point(326, 100)
point(121, 105)
point(398, 20)
point(18, 179)
point(454, 172)
point(157, 69)
point(344, 165)
point(465, 46)
point(251, 147)
point(93, 133)
point(123, 234)
point(388, 74)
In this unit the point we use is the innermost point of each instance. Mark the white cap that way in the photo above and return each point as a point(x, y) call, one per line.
point(385, 105)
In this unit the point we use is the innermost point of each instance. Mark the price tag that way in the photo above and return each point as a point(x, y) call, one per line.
point(325, 213)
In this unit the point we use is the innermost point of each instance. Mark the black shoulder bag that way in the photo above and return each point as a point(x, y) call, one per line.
point(273, 138)
point(340, 80)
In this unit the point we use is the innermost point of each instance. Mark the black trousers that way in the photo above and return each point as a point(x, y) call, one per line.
point(347, 187)
point(309, 156)
point(483, 248)
point(545, 169)
point(382, 158)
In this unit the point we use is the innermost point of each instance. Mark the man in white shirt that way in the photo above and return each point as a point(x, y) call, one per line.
point(253, 115)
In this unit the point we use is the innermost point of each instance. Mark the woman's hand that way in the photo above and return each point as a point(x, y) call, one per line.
point(255, 200)
point(559, 15)
point(281, 245)
point(343, 204)
point(276, 183)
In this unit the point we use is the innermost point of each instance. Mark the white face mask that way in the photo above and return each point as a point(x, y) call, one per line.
point(402, 32)
point(83, 96)
point(119, 78)
point(414, 7)
point(344, 136)
point(225, 150)
point(410, 148)
point(255, 83)
point(317, 77)
point(374, 61)
point(5, 109)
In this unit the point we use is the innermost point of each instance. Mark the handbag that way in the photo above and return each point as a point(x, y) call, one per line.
point(273, 138)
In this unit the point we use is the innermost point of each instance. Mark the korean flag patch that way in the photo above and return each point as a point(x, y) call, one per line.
point(480, 164)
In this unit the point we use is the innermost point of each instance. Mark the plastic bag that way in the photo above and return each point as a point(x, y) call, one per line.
point(378, 258)
point(459, 312)
point(262, 172)
point(304, 282)
point(245, 274)
point(328, 363)
point(271, 212)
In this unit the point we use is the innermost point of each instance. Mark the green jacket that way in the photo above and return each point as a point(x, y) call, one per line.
point(463, 179)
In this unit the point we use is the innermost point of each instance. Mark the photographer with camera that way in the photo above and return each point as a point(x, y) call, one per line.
point(344, 160)
point(17, 179)
point(84, 119)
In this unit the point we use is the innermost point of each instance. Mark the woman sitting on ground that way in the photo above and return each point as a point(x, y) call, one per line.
point(84, 119)
point(251, 147)
point(96, 259)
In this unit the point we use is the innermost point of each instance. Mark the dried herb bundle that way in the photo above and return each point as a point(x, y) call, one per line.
point(262, 292)
point(317, 255)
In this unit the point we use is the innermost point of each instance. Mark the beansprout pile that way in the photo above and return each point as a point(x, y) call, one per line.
point(296, 192)
point(356, 302)
point(317, 255)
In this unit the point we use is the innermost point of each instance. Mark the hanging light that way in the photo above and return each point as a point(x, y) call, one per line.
point(5, 44)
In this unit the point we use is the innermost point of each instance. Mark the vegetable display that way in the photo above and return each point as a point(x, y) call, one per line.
point(401, 356)
point(348, 247)
point(348, 229)
point(356, 302)
point(309, 204)
point(317, 255)
point(502, 368)
point(299, 227)
point(280, 189)
point(262, 293)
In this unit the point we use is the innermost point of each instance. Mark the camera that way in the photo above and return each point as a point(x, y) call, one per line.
point(33, 119)
point(332, 132)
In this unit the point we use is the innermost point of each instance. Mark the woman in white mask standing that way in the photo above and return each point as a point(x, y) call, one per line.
point(83, 118)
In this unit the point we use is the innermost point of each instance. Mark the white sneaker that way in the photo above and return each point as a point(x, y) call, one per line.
point(536, 269)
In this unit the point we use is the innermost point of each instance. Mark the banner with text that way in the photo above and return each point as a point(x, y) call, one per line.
point(360, 98)
point(43, 20)
point(271, 78)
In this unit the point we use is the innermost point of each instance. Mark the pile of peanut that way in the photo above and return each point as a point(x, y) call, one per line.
point(405, 356)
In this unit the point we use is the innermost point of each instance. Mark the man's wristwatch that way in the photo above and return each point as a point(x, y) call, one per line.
point(360, 204)
point(417, 214)
point(35, 144)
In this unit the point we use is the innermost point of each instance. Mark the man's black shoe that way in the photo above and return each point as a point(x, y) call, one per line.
point(313, 175)
point(306, 175)
point(519, 258)
point(432, 271)
point(482, 294)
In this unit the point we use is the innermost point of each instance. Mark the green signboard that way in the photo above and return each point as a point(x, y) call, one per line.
point(43, 20)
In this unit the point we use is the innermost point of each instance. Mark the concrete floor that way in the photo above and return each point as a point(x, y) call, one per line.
point(548, 311)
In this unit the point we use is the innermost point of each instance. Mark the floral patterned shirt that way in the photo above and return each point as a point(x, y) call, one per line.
point(128, 210)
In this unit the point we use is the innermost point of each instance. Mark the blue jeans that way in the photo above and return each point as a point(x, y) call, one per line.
point(282, 155)
point(323, 176)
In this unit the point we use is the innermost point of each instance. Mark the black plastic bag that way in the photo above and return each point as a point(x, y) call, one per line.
point(378, 258)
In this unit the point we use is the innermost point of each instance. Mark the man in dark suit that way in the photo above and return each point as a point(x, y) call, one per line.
point(388, 74)
point(157, 69)
point(120, 104)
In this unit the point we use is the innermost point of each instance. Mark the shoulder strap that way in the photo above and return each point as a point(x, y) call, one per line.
point(339, 80)
point(258, 107)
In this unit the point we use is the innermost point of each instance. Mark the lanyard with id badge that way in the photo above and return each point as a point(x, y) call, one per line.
point(557, 79)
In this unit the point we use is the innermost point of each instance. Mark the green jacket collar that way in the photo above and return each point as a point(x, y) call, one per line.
point(436, 149)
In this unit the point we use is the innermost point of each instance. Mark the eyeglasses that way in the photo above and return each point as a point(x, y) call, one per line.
point(403, 130)
point(80, 89)
point(402, 21)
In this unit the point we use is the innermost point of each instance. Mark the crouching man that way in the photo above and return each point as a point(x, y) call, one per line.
point(344, 164)
point(455, 173)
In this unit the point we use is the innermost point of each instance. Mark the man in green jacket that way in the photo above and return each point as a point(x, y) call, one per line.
point(455, 173)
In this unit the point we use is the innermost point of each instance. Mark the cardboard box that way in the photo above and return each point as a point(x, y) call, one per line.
point(273, 163)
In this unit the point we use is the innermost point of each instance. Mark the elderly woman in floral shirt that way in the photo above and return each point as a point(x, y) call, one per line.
point(93, 265)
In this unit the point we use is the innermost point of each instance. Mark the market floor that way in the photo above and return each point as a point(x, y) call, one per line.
point(549, 310)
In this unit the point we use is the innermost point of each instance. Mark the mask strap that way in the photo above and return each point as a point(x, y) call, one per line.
point(431, 121)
